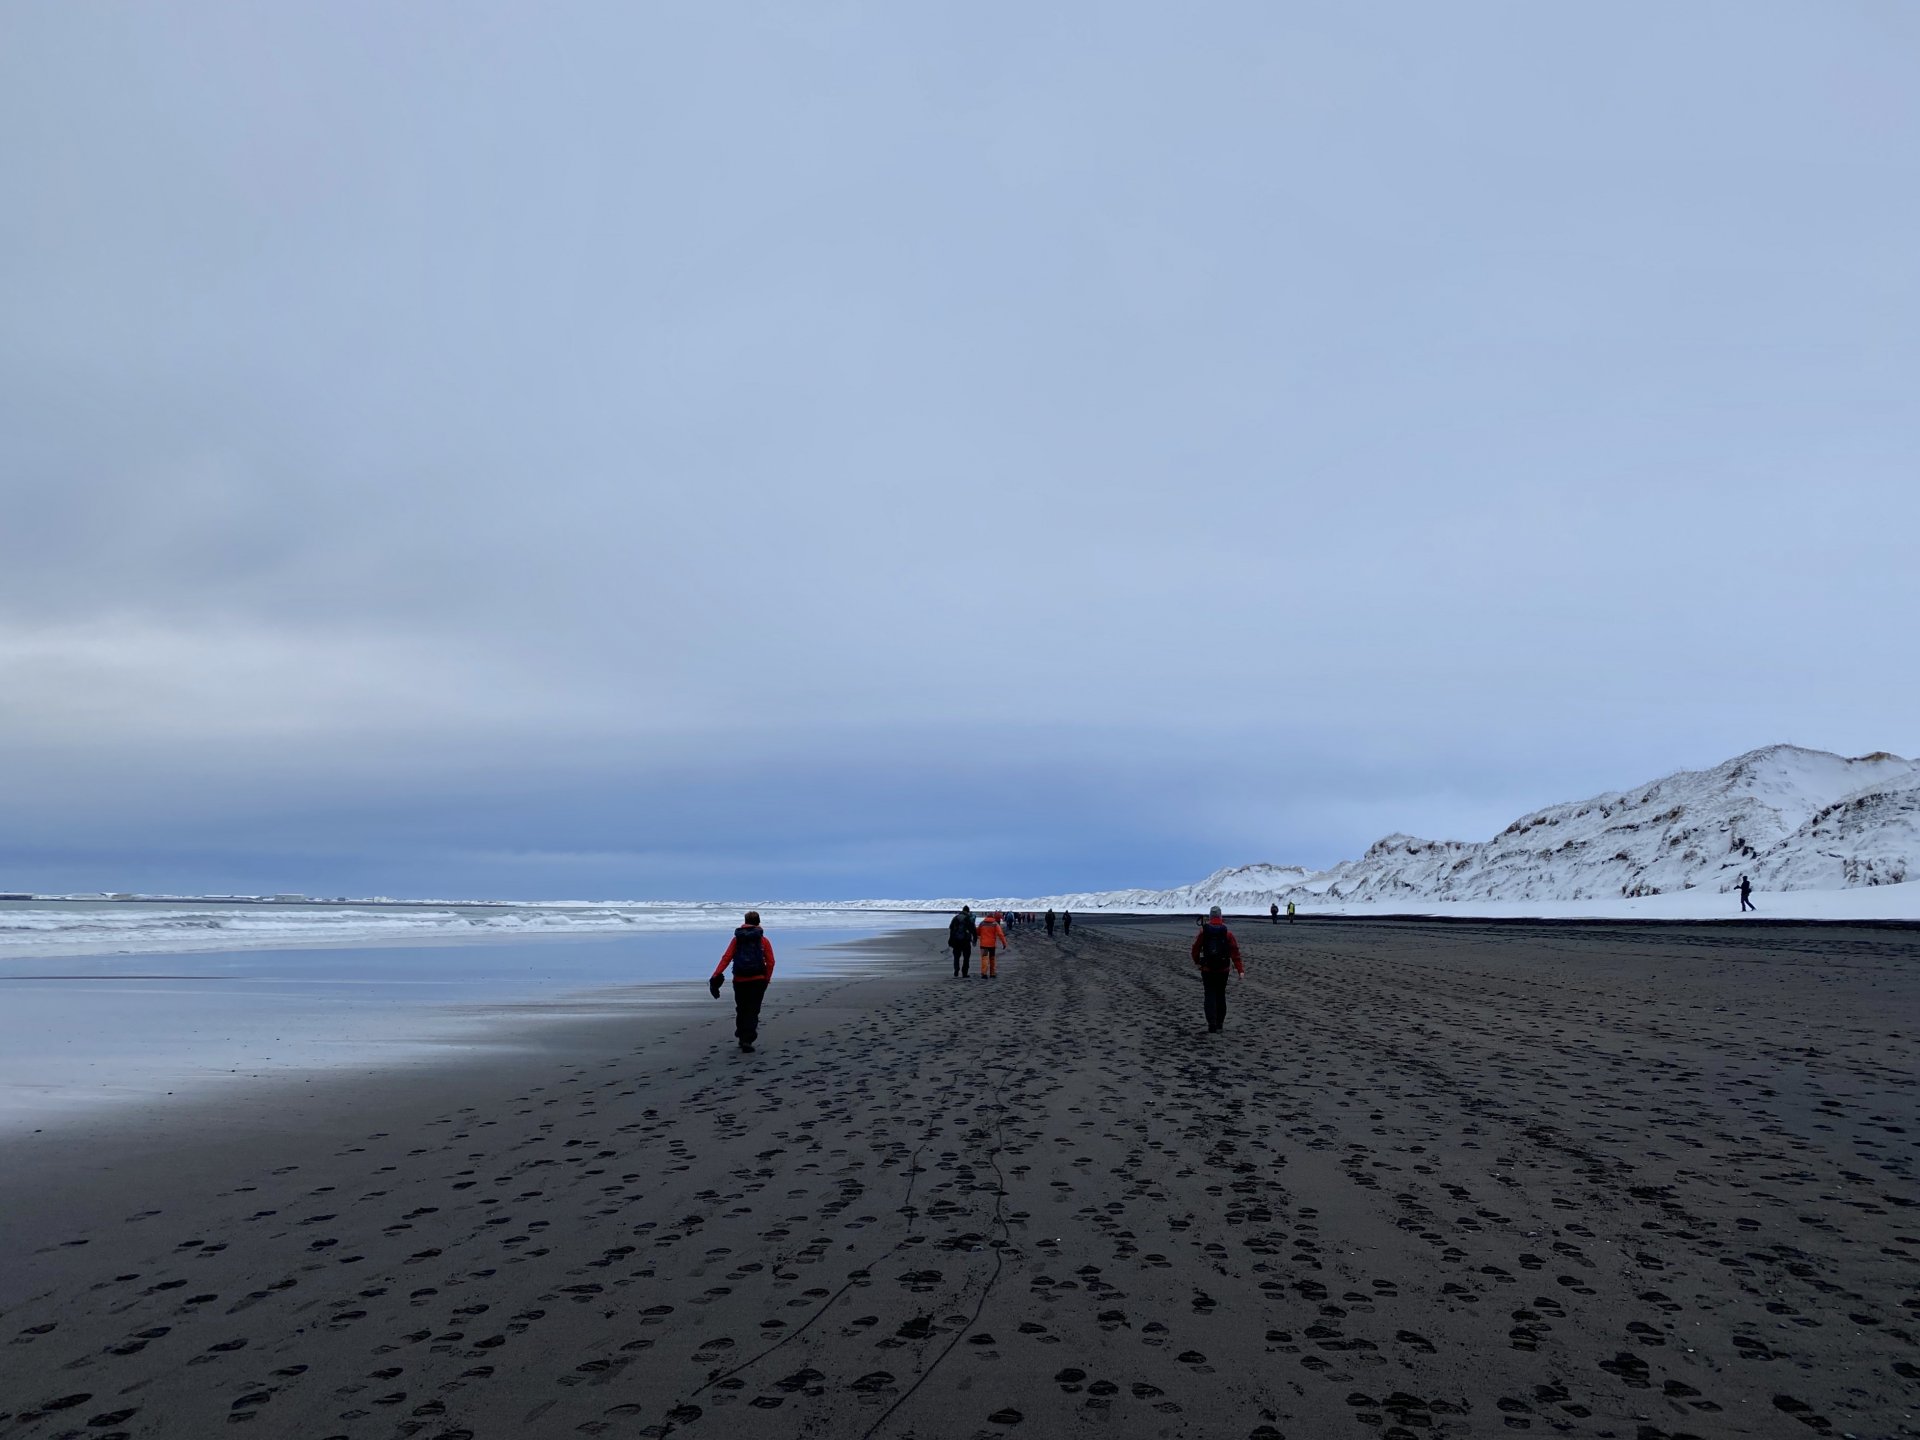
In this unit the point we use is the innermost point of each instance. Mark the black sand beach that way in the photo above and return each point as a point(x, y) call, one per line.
point(1434, 1180)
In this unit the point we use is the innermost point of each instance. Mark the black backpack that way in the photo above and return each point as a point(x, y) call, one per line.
point(960, 930)
point(1216, 948)
point(749, 953)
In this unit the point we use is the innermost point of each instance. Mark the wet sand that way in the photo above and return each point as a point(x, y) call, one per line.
point(1434, 1180)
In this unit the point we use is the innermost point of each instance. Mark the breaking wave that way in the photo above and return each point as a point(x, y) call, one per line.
point(31, 928)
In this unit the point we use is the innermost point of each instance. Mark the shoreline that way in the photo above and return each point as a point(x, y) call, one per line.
point(108, 1033)
point(470, 1032)
point(1430, 1180)
point(525, 1043)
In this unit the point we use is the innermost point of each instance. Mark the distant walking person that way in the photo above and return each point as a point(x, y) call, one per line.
point(1746, 895)
point(1066, 922)
point(1049, 923)
point(1274, 911)
point(1289, 912)
point(993, 939)
point(751, 957)
point(960, 936)
point(1214, 951)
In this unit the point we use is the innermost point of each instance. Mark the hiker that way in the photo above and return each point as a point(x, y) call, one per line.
point(993, 938)
point(1049, 922)
point(1274, 910)
point(960, 936)
point(1066, 922)
point(1746, 895)
point(752, 960)
point(1214, 949)
point(1289, 912)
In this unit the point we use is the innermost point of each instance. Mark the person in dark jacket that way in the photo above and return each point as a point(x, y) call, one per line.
point(751, 956)
point(961, 933)
point(1215, 951)
point(1049, 922)
point(1746, 895)
point(1066, 922)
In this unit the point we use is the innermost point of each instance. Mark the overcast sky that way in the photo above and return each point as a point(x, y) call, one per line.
point(831, 450)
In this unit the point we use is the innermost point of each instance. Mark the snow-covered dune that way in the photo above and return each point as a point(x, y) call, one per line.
point(1793, 819)
point(1871, 837)
point(1693, 829)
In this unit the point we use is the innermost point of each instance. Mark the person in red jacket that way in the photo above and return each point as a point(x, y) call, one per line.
point(993, 939)
point(751, 956)
point(1214, 950)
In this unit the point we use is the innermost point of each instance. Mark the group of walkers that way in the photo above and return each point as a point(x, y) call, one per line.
point(991, 934)
point(749, 954)
point(1215, 954)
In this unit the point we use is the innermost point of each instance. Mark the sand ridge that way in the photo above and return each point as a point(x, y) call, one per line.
point(1432, 1181)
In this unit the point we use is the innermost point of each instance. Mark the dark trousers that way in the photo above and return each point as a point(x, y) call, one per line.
point(1746, 904)
point(962, 957)
point(747, 999)
point(1215, 982)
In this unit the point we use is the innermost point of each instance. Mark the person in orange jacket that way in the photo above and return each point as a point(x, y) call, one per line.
point(993, 939)
point(1214, 949)
point(751, 956)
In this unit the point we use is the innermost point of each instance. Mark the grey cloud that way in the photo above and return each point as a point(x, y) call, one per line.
point(658, 391)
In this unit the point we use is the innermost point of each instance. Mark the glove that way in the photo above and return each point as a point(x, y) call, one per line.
point(713, 987)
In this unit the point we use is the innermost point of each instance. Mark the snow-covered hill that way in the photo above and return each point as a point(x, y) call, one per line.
point(1699, 828)
point(1791, 818)
point(1871, 837)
